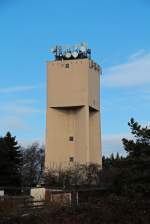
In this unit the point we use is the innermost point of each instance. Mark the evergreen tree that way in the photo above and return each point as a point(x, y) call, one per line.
point(134, 177)
point(10, 161)
point(140, 146)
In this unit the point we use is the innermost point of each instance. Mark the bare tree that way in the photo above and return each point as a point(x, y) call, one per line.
point(33, 165)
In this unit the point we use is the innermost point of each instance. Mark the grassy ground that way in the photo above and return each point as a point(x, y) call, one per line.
point(112, 210)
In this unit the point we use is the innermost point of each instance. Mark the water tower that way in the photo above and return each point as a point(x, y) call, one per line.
point(73, 108)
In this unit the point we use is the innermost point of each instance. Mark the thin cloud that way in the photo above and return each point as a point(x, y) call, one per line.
point(29, 142)
point(139, 54)
point(132, 73)
point(17, 89)
point(19, 107)
point(111, 143)
point(12, 123)
point(26, 101)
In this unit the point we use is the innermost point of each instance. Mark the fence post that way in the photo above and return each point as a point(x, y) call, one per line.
point(74, 198)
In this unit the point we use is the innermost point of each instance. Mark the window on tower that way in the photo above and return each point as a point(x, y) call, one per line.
point(71, 159)
point(71, 138)
point(66, 65)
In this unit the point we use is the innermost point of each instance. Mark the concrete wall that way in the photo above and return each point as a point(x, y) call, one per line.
point(62, 124)
point(94, 139)
point(73, 111)
point(38, 194)
point(1, 193)
point(93, 88)
point(67, 86)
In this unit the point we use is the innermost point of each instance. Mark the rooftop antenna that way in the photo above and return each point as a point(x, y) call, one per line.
point(78, 51)
point(83, 47)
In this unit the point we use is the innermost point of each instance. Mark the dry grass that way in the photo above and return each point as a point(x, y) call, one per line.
point(107, 210)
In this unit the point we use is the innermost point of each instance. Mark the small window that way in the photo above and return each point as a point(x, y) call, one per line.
point(66, 65)
point(71, 138)
point(71, 159)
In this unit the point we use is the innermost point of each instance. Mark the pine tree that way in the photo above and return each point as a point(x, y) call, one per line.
point(140, 146)
point(10, 161)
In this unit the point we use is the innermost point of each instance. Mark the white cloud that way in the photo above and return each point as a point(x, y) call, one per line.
point(132, 73)
point(111, 143)
point(26, 101)
point(15, 116)
point(12, 123)
point(28, 142)
point(20, 116)
point(139, 54)
point(19, 109)
point(23, 106)
point(16, 89)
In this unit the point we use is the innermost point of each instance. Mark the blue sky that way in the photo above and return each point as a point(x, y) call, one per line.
point(118, 32)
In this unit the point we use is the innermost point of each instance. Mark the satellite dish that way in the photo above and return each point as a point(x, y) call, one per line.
point(72, 52)
point(68, 55)
point(75, 54)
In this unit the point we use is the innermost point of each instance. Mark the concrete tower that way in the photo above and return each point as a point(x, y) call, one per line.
point(73, 110)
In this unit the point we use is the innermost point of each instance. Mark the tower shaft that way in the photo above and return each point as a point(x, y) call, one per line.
point(73, 113)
